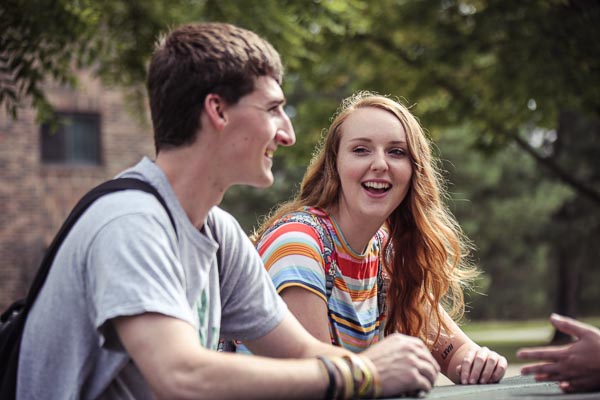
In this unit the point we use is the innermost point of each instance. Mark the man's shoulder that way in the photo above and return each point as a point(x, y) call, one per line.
point(220, 220)
point(133, 205)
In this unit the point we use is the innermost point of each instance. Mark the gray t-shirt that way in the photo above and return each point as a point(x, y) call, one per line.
point(122, 258)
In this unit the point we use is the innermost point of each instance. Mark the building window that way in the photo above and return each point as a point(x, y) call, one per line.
point(72, 138)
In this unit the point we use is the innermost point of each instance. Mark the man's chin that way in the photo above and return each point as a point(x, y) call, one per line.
point(266, 184)
point(263, 183)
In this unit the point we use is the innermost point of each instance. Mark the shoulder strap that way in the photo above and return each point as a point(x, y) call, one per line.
point(330, 254)
point(325, 228)
point(382, 284)
point(107, 187)
point(12, 321)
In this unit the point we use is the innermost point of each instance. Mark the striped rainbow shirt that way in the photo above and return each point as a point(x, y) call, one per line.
point(293, 256)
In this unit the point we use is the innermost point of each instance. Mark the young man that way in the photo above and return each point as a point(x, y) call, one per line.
point(134, 308)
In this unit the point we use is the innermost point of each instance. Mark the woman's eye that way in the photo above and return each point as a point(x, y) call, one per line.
point(398, 152)
point(359, 150)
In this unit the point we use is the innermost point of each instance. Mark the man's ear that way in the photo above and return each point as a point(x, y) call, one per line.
point(214, 106)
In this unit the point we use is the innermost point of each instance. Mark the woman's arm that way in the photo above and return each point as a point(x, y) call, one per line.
point(463, 361)
point(310, 310)
point(401, 361)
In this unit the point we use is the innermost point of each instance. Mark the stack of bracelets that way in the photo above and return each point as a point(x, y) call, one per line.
point(359, 378)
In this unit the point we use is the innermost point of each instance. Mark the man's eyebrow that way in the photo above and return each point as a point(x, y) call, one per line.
point(277, 102)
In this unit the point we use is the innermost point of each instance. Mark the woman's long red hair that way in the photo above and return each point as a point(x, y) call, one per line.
point(427, 254)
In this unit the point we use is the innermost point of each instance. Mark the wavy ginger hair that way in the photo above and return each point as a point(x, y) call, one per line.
point(427, 254)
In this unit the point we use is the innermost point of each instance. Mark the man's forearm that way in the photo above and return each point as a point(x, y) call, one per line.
point(234, 376)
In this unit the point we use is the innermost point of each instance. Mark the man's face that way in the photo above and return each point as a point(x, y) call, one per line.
point(257, 124)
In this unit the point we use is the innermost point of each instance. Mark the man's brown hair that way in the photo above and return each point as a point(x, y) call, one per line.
point(195, 60)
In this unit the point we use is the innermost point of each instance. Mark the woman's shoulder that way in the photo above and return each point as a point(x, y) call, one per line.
point(301, 223)
point(305, 215)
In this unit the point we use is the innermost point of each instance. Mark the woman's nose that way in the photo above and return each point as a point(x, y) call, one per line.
point(379, 162)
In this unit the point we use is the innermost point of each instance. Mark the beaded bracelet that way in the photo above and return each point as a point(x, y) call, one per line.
point(330, 369)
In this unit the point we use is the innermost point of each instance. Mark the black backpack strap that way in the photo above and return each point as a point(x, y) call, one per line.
point(12, 321)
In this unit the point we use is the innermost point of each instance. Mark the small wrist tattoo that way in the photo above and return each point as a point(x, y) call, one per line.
point(446, 352)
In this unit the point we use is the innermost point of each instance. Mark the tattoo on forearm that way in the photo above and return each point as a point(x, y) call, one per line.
point(446, 352)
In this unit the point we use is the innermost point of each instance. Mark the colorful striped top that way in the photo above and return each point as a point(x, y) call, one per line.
point(293, 255)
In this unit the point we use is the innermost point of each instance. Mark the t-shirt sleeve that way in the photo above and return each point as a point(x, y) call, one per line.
point(250, 306)
point(293, 256)
point(132, 268)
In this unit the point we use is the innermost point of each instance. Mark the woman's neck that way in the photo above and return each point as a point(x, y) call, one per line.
point(357, 233)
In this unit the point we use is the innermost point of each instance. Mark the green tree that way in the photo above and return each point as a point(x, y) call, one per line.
point(505, 87)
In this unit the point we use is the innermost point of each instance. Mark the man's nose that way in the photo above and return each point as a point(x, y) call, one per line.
point(285, 134)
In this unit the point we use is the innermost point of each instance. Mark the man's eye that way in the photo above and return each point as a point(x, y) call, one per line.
point(276, 109)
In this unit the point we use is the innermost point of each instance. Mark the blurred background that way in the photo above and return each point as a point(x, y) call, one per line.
point(509, 92)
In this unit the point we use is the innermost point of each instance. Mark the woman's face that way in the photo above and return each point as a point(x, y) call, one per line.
point(373, 164)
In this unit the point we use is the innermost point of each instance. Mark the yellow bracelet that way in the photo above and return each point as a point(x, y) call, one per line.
point(363, 377)
point(377, 386)
point(347, 378)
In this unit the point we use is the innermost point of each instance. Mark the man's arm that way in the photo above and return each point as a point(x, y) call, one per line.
point(169, 355)
point(403, 363)
point(291, 340)
point(176, 366)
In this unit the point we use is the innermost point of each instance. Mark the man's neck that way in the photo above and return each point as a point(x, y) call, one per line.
point(194, 179)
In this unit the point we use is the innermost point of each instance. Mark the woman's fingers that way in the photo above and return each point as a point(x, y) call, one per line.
point(481, 366)
point(500, 369)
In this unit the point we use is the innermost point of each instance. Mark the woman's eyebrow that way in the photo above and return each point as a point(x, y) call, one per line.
point(369, 140)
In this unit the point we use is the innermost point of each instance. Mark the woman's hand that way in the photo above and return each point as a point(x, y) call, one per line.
point(479, 365)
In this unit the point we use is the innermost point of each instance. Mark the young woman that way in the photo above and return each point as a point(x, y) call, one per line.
point(368, 248)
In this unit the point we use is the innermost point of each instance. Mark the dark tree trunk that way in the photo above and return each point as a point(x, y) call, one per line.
point(566, 291)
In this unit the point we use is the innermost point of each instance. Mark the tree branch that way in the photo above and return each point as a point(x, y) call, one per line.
point(458, 94)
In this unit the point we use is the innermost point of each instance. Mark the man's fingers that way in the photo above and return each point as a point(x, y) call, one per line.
point(581, 384)
point(550, 371)
point(547, 353)
point(570, 326)
point(429, 371)
point(424, 384)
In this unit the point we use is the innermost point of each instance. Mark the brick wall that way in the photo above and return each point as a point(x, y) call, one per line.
point(35, 198)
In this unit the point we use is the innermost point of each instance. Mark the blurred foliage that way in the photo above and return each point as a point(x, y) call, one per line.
point(507, 89)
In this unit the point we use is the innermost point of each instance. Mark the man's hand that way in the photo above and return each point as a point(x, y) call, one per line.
point(404, 364)
point(576, 366)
